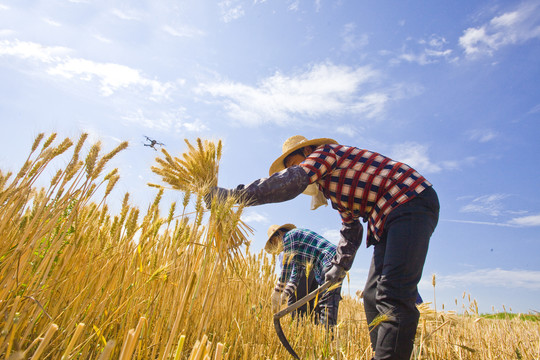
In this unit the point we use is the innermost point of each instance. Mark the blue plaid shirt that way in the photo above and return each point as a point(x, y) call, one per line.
point(303, 250)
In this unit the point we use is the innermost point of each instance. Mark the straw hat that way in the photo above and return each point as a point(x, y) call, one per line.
point(272, 231)
point(292, 144)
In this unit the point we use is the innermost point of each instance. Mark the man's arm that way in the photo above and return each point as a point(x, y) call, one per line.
point(349, 242)
point(282, 186)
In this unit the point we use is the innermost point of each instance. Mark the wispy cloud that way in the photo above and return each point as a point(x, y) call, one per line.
point(33, 51)
point(351, 40)
point(486, 204)
point(102, 39)
point(6, 32)
point(531, 220)
point(52, 22)
point(534, 110)
point(495, 278)
point(110, 77)
point(513, 27)
point(417, 156)
point(125, 15)
point(324, 89)
point(493, 205)
point(184, 31)
point(489, 223)
point(424, 52)
point(294, 5)
point(250, 216)
point(332, 235)
point(176, 121)
point(482, 136)
point(231, 10)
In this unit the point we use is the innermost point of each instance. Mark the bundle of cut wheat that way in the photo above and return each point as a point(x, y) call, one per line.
point(196, 171)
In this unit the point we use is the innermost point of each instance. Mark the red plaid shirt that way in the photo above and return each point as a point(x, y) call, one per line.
point(362, 184)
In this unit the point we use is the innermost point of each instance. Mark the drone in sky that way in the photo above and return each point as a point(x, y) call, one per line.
point(152, 143)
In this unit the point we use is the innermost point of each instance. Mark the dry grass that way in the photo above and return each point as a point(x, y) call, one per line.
point(77, 282)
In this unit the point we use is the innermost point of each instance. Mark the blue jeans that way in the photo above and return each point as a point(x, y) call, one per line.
point(396, 268)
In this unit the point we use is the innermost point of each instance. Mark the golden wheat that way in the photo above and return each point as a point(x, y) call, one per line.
point(77, 282)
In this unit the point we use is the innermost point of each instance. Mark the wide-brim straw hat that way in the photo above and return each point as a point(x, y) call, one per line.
point(272, 231)
point(292, 144)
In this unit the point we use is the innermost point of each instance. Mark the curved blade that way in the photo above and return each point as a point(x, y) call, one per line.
point(291, 308)
point(283, 339)
point(303, 300)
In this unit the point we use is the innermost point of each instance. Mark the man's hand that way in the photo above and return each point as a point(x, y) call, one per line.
point(216, 192)
point(276, 301)
point(335, 274)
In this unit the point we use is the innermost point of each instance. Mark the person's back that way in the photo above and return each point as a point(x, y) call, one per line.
point(306, 252)
point(307, 249)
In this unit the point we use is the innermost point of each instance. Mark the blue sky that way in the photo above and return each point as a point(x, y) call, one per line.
point(451, 88)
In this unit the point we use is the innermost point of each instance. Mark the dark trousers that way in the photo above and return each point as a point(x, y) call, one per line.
point(325, 311)
point(396, 268)
point(329, 307)
point(305, 286)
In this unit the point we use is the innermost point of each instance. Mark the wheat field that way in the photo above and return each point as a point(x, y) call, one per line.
point(79, 282)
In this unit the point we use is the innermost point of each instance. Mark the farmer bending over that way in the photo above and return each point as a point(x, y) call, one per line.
point(304, 251)
point(401, 210)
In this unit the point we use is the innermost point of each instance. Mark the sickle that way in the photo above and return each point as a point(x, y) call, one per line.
point(291, 308)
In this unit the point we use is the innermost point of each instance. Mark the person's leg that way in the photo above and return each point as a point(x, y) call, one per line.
point(329, 305)
point(312, 308)
point(370, 289)
point(408, 230)
point(301, 291)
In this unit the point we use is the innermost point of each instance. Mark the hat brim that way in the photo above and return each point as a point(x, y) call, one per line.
point(278, 164)
point(286, 226)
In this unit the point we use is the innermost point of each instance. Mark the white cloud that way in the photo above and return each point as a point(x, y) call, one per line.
point(254, 216)
point(294, 5)
point(230, 10)
point(111, 77)
point(324, 89)
point(4, 7)
point(430, 51)
point(52, 22)
point(491, 205)
point(351, 40)
point(479, 222)
point(531, 220)
point(482, 136)
point(32, 51)
point(6, 32)
point(347, 130)
point(495, 278)
point(332, 235)
point(125, 15)
point(165, 121)
point(415, 155)
point(534, 110)
point(318, 5)
point(195, 126)
point(486, 204)
point(103, 39)
point(184, 31)
point(510, 28)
